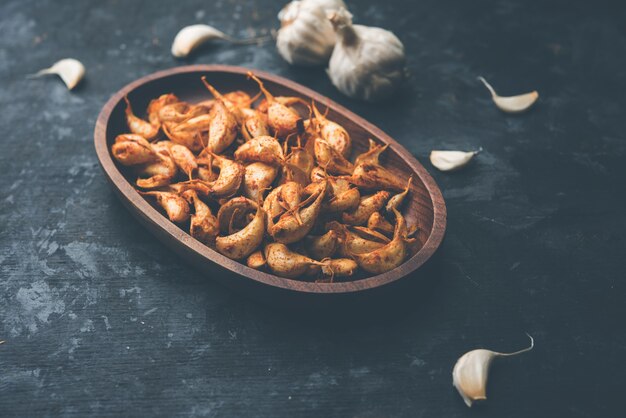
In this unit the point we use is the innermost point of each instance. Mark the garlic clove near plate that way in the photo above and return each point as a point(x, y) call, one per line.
point(511, 104)
point(451, 160)
point(191, 37)
point(70, 70)
point(471, 372)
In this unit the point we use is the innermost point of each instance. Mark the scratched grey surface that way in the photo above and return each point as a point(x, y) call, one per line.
point(98, 319)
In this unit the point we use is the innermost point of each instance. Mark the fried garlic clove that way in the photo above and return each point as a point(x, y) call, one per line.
point(374, 176)
point(511, 104)
point(229, 179)
point(178, 112)
point(156, 174)
point(156, 106)
point(257, 179)
point(328, 158)
point(256, 260)
point(334, 134)
point(189, 139)
point(293, 173)
point(369, 234)
point(273, 207)
point(371, 156)
point(223, 125)
point(378, 222)
point(265, 149)
point(344, 198)
point(323, 246)
point(203, 225)
point(282, 119)
point(286, 263)
point(132, 149)
point(397, 199)
point(389, 256)
point(137, 125)
point(339, 267)
point(194, 124)
point(176, 207)
point(234, 210)
point(70, 70)
point(290, 229)
point(253, 124)
point(302, 159)
point(291, 198)
point(184, 159)
point(367, 206)
point(243, 242)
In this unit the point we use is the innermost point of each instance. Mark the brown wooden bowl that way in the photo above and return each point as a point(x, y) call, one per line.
point(425, 208)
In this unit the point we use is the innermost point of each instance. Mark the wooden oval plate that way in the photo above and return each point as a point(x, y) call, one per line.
point(425, 208)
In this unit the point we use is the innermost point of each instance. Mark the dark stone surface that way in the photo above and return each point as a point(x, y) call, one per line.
point(98, 319)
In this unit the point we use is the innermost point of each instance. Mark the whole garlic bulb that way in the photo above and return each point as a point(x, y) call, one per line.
point(367, 63)
point(306, 37)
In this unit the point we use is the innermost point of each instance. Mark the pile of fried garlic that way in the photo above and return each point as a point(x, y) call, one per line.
point(267, 186)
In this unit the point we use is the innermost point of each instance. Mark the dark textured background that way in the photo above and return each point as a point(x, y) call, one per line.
point(99, 319)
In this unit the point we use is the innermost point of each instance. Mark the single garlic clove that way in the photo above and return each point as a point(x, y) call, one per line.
point(70, 70)
point(451, 160)
point(511, 104)
point(191, 37)
point(471, 372)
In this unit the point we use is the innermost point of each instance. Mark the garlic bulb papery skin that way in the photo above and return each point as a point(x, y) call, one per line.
point(70, 70)
point(367, 63)
point(305, 37)
point(471, 371)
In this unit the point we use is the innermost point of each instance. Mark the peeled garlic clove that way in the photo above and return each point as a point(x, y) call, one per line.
point(323, 246)
point(367, 63)
point(291, 228)
point(367, 206)
point(191, 37)
point(70, 70)
point(471, 371)
point(511, 104)
point(176, 207)
point(451, 160)
point(306, 37)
